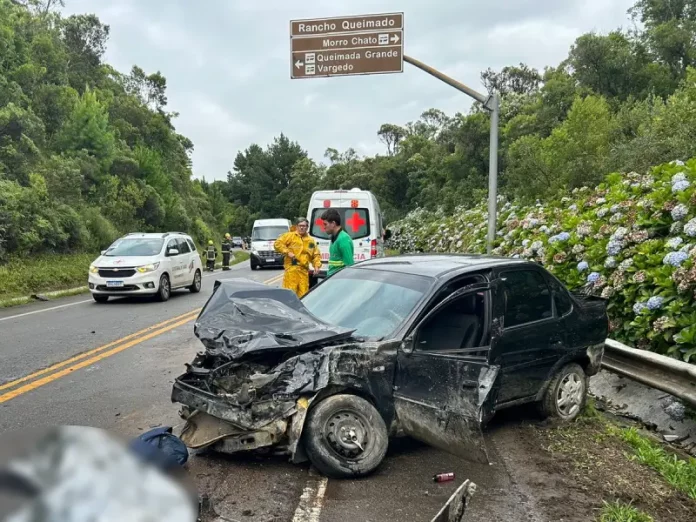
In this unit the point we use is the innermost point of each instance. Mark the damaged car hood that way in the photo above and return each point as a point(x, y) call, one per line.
point(244, 316)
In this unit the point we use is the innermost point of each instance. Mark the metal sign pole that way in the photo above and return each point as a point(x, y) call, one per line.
point(492, 104)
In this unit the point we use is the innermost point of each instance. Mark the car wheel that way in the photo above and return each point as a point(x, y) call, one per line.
point(254, 266)
point(345, 437)
point(165, 289)
point(100, 298)
point(566, 395)
point(196, 286)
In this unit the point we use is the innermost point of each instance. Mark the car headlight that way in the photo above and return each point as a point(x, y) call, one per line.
point(148, 268)
point(93, 269)
point(255, 252)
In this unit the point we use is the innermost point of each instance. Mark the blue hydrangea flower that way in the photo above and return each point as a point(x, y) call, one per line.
point(573, 207)
point(639, 308)
point(563, 236)
point(601, 212)
point(610, 262)
point(601, 201)
point(544, 229)
point(679, 212)
point(614, 247)
point(620, 233)
point(690, 228)
point(655, 302)
point(537, 245)
point(614, 209)
point(594, 277)
point(680, 186)
point(679, 177)
point(674, 243)
point(515, 256)
point(583, 265)
point(525, 242)
point(675, 258)
point(680, 163)
point(534, 222)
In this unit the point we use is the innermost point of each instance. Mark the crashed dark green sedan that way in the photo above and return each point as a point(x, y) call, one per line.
point(427, 346)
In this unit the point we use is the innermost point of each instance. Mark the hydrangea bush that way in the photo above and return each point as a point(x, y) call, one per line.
point(631, 240)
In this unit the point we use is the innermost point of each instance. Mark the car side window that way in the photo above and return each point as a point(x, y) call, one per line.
point(192, 245)
point(458, 326)
point(527, 297)
point(562, 300)
point(171, 244)
point(183, 246)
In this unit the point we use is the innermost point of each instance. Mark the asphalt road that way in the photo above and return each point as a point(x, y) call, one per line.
point(76, 362)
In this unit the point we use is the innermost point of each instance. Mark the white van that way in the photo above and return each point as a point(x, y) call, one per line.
point(361, 218)
point(263, 236)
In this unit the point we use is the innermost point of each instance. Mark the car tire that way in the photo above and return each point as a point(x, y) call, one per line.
point(99, 298)
point(329, 428)
point(165, 289)
point(566, 395)
point(197, 282)
point(254, 266)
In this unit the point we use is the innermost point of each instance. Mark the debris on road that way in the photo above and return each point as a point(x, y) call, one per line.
point(443, 477)
point(455, 508)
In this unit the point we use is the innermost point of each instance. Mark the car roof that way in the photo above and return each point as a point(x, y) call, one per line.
point(440, 265)
point(156, 235)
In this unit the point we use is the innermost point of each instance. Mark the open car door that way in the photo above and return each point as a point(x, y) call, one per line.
point(444, 385)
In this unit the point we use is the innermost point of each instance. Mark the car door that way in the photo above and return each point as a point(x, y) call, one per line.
point(172, 263)
point(186, 262)
point(444, 385)
point(531, 338)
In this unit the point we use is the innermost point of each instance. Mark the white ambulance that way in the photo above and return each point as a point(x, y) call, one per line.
point(361, 218)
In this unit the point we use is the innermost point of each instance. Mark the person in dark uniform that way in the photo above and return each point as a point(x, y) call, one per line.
point(226, 251)
point(211, 256)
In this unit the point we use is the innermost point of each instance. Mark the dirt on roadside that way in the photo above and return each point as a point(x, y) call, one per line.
point(570, 471)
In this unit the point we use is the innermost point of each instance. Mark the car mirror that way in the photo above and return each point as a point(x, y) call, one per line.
point(173, 252)
point(103, 252)
point(407, 345)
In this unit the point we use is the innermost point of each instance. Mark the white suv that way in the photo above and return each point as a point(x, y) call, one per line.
point(141, 264)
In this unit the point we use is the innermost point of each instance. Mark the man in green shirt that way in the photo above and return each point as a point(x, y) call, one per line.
point(341, 249)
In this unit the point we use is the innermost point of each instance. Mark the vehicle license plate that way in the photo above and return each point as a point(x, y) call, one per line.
point(114, 284)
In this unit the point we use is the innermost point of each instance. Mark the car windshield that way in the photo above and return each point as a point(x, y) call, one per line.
point(135, 247)
point(373, 302)
point(268, 233)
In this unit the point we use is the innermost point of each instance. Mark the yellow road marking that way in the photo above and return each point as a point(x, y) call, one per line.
point(116, 347)
point(56, 366)
point(66, 371)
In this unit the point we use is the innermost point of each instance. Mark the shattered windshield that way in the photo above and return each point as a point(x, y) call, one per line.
point(372, 302)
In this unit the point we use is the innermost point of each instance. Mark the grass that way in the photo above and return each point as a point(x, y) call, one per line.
point(67, 273)
point(620, 512)
point(679, 473)
point(391, 252)
point(21, 277)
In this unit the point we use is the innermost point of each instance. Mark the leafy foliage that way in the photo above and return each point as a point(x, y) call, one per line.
point(86, 153)
point(631, 240)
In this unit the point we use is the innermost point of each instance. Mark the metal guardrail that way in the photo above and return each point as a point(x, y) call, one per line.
point(657, 371)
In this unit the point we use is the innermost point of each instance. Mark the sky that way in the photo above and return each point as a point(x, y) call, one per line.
point(227, 64)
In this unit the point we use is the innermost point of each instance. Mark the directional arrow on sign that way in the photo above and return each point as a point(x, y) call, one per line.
point(395, 38)
point(298, 64)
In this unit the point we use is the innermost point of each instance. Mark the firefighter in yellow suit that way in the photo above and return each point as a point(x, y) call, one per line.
point(300, 252)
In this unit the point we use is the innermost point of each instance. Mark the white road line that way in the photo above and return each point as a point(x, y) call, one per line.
point(85, 301)
point(311, 501)
point(44, 310)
